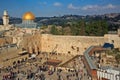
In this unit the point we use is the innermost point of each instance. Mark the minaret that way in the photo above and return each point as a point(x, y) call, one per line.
point(5, 18)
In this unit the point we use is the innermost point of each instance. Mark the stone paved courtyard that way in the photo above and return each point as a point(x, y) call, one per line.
point(30, 69)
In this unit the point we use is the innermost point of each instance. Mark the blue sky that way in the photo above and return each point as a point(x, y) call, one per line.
point(17, 8)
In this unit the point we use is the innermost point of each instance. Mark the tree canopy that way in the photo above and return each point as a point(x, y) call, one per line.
point(83, 28)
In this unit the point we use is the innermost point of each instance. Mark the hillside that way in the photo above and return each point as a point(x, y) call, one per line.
point(76, 24)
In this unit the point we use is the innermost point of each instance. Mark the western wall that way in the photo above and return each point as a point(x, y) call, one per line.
point(60, 44)
point(66, 44)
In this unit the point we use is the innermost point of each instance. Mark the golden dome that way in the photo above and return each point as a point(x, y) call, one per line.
point(28, 16)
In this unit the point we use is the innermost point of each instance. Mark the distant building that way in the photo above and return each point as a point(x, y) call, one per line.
point(6, 25)
point(108, 73)
point(28, 21)
point(99, 72)
point(5, 18)
point(28, 25)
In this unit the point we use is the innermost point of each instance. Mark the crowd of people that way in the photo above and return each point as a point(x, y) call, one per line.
point(34, 69)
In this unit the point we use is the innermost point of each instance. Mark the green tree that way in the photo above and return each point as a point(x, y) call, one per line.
point(81, 26)
point(54, 30)
point(96, 28)
point(78, 28)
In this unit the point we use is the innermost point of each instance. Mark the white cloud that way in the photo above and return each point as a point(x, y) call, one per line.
point(57, 4)
point(110, 6)
point(97, 7)
point(93, 8)
point(89, 7)
point(71, 6)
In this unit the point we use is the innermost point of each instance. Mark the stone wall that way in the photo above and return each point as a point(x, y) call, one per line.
point(114, 39)
point(72, 45)
point(6, 40)
point(68, 44)
point(32, 43)
point(3, 27)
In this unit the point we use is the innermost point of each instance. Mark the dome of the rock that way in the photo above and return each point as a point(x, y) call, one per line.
point(28, 16)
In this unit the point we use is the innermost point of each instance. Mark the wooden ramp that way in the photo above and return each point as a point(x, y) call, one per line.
point(63, 64)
